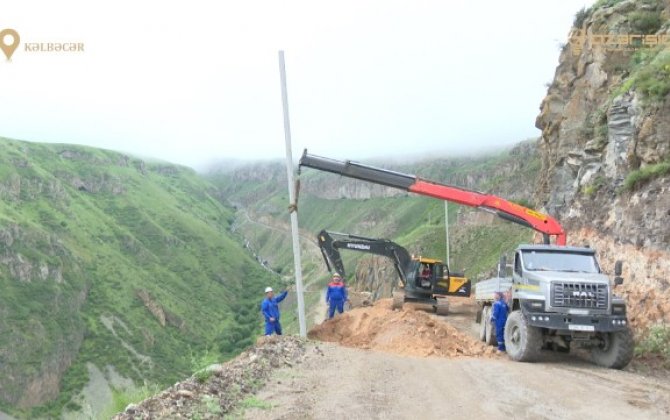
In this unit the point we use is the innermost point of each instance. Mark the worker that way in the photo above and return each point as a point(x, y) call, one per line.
point(336, 295)
point(499, 318)
point(270, 309)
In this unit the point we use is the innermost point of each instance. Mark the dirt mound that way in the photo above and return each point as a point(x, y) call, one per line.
point(408, 332)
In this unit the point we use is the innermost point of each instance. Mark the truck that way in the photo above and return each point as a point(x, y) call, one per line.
point(558, 295)
point(423, 280)
point(559, 298)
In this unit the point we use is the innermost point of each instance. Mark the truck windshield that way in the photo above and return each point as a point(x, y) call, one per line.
point(559, 261)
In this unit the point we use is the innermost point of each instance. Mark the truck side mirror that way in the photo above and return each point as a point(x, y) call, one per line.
point(618, 268)
point(502, 267)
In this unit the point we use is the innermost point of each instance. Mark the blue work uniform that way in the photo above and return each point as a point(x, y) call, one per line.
point(270, 309)
point(336, 295)
point(499, 318)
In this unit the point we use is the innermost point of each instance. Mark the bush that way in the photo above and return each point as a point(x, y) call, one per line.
point(122, 398)
point(593, 187)
point(580, 17)
point(651, 75)
point(643, 175)
point(657, 342)
point(645, 22)
point(605, 3)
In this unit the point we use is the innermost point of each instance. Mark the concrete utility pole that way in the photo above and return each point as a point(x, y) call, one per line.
point(291, 196)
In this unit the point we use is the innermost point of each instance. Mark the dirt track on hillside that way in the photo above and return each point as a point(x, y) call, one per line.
point(375, 373)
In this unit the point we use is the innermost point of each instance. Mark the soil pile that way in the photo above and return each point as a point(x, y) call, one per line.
point(407, 332)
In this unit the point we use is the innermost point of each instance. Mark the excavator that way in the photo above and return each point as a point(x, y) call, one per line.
point(545, 224)
point(424, 280)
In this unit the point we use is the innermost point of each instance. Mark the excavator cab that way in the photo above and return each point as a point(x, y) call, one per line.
point(427, 276)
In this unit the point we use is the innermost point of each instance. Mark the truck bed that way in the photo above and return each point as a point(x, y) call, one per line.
point(485, 289)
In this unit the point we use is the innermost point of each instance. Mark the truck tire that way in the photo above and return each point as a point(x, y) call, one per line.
point(398, 300)
point(616, 351)
point(522, 341)
point(442, 306)
point(491, 339)
point(482, 325)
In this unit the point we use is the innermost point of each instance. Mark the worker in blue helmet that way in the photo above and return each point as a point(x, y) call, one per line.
point(499, 318)
point(270, 309)
point(336, 295)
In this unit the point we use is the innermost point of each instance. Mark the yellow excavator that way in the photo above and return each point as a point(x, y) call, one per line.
point(423, 280)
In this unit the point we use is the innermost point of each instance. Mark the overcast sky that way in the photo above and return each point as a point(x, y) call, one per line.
point(191, 82)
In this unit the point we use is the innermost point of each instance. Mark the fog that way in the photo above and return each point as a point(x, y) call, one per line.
point(199, 83)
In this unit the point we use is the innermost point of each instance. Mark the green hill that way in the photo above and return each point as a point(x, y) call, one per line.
point(112, 264)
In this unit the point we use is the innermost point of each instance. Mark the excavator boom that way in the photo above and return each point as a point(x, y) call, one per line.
point(331, 242)
point(507, 210)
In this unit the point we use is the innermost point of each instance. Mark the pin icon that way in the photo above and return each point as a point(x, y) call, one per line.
point(9, 47)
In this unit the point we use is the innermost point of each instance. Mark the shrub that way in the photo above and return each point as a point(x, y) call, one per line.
point(122, 398)
point(605, 3)
point(650, 77)
point(657, 342)
point(643, 175)
point(594, 186)
point(580, 17)
point(645, 22)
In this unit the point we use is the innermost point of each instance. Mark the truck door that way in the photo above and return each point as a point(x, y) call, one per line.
point(517, 274)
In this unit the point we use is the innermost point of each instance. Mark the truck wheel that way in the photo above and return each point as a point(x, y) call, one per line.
point(616, 350)
point(398, 300)
point(490, 329)
point(522, 341)
point(442, 306)
point(482, 325)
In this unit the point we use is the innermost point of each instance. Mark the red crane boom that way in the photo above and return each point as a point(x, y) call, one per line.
point(507, 210)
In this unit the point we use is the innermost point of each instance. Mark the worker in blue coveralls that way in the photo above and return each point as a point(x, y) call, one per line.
point(336, 295)
point(270, 309)
point(499, 318)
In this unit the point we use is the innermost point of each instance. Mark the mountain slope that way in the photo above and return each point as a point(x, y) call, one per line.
point(605, 148)
point(112, 263)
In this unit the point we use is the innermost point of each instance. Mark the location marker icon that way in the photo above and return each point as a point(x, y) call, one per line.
point(9, 41)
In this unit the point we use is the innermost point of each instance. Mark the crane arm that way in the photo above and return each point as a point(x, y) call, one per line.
point(330, 244)
point(505, 209)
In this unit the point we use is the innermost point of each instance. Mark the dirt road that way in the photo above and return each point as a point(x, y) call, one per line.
point(337, 382)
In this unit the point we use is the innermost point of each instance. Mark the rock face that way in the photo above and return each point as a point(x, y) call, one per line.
point(600, 128)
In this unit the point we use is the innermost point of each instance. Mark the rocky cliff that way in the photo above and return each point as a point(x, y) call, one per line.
point(605, 145)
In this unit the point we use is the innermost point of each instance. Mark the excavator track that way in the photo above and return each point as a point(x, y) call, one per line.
point(442, 306)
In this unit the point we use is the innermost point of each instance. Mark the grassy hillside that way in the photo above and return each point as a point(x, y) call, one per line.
point(111, 261)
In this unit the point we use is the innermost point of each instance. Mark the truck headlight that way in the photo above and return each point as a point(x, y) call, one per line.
point(618, 309)
point(537, 304)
